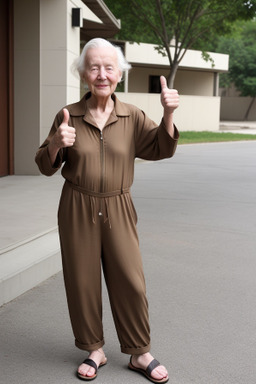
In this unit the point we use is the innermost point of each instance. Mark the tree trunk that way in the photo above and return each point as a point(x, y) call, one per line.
point(172, 74)
point(249, 108)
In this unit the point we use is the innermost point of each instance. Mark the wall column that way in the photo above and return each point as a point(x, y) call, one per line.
point(26, 84)
point(45, 46)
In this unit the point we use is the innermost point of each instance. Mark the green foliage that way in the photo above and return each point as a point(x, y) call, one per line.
point(131, 29)
point(241, 47)
point(188, 23)
point(120, 87)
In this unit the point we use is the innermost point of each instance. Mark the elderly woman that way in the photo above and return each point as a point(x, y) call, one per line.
point(98, 139)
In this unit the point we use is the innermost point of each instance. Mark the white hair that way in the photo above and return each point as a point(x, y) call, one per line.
point(80, 63)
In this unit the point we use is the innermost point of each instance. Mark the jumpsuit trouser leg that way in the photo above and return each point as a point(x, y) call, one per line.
point(80, 241)
point(123, 272)
point(89, 241)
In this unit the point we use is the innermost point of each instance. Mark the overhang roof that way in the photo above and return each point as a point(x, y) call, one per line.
point(108, 27)
point(147, 55)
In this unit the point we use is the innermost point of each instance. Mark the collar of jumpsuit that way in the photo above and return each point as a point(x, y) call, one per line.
point(81, 109)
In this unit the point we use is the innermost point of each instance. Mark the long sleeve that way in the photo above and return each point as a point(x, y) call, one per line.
point(42, 156)
point(153, 142)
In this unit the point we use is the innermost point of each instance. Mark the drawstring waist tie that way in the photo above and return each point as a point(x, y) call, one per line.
point(101, 195)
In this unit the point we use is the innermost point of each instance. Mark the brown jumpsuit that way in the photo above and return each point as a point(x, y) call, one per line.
point(97, 220)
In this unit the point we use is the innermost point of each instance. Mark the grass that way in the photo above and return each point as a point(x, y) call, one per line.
point(192, 137)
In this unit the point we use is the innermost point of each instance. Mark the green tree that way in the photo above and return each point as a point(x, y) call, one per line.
point(187, 23)
point(241, 47)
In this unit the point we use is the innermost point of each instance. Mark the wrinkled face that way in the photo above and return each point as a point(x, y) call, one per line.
point(102, 72)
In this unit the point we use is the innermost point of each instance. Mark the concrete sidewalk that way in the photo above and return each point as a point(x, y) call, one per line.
point(197, 222)
point(247, 127)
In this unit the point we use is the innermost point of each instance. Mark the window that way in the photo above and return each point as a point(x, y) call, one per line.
point(154, 84)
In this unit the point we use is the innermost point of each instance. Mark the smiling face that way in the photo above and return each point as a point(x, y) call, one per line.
point(102, 72)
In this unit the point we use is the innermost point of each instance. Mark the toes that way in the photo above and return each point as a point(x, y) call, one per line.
point(91, 372)
point(86, 370)
point(159, 373)
point(81, 369)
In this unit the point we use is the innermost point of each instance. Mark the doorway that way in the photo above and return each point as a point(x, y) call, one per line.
point(6, 88)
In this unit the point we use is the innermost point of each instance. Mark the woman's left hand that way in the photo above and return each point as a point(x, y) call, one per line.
point(169, 97)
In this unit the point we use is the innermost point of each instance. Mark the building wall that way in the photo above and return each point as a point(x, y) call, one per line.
point(146, 53)
point(234, 108)
point(45, 46)
point(199, 83)
point(6, 90)
point(195, 113)
point(139, 78)
point(26, 84)
point(59, 48)
point(196, 83)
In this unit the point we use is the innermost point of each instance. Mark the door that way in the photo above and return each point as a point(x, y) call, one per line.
point(6, 94)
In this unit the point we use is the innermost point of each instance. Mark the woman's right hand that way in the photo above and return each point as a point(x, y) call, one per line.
point(65, 136)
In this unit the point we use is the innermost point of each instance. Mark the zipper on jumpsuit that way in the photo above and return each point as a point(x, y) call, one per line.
point(103, 199)
point(102, 168)
point(104, 204)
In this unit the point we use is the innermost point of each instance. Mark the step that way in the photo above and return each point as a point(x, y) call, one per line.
point(26, 264)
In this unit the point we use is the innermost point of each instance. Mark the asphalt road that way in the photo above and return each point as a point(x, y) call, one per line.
point(197, 225)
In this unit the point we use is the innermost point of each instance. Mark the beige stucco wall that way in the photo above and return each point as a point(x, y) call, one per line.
point(59, 48)
point(146, 53)
point(187, 82)
point(197, 83)
point(195, 113)
point(198, 113)
point(234, 108)
point(45, 46)
point(139, 78)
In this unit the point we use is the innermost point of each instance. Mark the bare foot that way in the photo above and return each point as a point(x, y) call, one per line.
point(98, 357)
point(142, 361)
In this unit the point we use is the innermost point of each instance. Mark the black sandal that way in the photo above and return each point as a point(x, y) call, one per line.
point(147, 372)
point(92, 364)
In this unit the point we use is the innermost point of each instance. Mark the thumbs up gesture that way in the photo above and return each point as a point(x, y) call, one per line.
point(169, 97)
point(65, 135)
